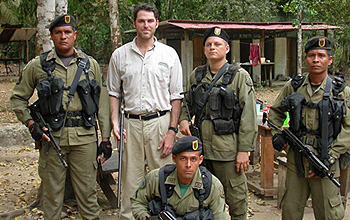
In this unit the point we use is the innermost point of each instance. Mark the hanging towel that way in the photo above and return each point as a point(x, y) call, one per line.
point(254, 54)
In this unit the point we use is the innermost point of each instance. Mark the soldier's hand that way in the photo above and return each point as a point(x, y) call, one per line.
point(185, 128)
point(279, 142)
point(242, 162)
point(105, 148)
point(37, 131)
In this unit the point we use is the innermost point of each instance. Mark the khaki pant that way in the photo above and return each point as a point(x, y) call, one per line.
point(143, 139)
point(326, 199)
point(83, 166)
point(235, 186)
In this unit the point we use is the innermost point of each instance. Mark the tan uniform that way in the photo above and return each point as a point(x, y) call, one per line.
point(78, 143)
point(149, 190)
point(220, 151)
point(325, 195)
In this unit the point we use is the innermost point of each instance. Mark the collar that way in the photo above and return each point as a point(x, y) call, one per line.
point(322, 86)
point(196, 183)
point(134, 45)
point(77, 54)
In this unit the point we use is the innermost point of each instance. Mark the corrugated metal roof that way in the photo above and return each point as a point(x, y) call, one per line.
point(14, 33)
point(201, 25)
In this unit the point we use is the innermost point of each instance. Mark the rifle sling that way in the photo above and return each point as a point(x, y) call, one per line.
point(205, 97)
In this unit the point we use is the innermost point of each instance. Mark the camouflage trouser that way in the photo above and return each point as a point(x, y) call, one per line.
point(326, 199)
point(235, 186)
point(83, 166)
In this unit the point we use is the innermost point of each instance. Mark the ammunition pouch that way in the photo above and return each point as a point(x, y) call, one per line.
point(203, 214)
point(294, 105)
point(224, 109)
point(50, 93)
point(155, 207)
point(89, 92)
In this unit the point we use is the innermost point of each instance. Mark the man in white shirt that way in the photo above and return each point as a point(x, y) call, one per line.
point(151, 77)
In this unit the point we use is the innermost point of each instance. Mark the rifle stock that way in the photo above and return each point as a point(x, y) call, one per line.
point(39, 118)
point(296, 143)
point(120, 150)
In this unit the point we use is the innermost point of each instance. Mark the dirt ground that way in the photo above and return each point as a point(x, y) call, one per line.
point(19, 180)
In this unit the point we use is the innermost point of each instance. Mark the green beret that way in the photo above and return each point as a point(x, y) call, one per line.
point(187, 144)
point(63, 20)
point(318, 42)
point(216, 32)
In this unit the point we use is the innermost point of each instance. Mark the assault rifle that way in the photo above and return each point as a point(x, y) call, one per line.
point(163, 215)
point(38, 118)
point(193, 127)
point(296, 143)
point(166, 215)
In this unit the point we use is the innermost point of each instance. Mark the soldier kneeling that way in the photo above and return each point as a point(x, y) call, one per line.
point(183, 189)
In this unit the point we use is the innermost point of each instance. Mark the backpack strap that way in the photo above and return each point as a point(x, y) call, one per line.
point(163, 173)
point(230, 75)
point(204, 193)
point(338, 85)
point(47, 65)
point(297, 81)
point(324, 119)
point(200, 73)
point(83, 64)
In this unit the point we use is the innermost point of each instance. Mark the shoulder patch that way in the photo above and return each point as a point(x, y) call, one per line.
point(248, 81)
point(143, 184)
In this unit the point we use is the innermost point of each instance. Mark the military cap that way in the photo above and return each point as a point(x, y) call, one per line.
point(216, 32)
point(318, 42)
point(187, 144)
point(63, 20)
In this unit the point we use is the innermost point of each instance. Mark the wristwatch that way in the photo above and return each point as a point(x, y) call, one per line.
point(173, 129)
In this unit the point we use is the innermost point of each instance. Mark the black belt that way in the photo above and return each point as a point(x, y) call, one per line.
point(74, 122)
point(147, 116)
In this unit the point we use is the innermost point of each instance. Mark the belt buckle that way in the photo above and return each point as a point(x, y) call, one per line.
point(140, 117)
point(158, 113)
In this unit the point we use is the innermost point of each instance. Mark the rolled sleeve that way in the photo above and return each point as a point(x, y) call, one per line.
point(113, 75)
point(176, 80)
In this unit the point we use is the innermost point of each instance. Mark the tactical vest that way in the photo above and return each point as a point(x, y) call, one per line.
point(159, 204)
point(50, 93)
point(224, 110)
point(331, 112)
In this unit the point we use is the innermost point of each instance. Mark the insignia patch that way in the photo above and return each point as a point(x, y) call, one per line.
point(171, 180)
point(198, 184)
point(195, 145)
point(143, 184)
point(67, 19)
point(222, 193)
point(217, 31)
point(322, 42)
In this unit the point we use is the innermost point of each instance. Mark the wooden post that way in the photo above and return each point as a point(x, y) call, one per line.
point(267, 158)
point(187, 58)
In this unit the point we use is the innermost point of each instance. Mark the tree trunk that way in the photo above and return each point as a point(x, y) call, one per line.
point(170, 10)
point(45, 14)
point(300, 44)
point(61, 7)
point(114, 20)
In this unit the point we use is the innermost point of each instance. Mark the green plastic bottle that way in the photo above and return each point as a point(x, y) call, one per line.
point(286, 122)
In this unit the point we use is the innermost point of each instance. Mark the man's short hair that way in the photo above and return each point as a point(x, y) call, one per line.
point(145, 7)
